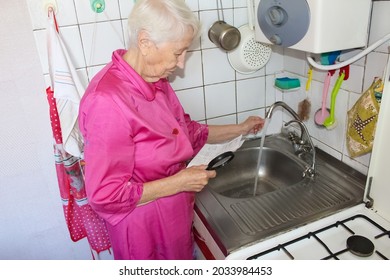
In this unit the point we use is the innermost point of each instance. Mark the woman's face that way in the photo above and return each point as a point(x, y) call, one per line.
point(162, 59)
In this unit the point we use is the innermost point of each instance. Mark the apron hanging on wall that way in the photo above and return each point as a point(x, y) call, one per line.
point(63, 98)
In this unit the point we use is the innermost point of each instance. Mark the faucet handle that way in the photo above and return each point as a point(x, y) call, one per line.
point(293, 137)
point(309, 146)
point(301, 125)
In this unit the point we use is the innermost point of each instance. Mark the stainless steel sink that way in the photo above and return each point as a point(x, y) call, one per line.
point(237, 179)
point(237, 217)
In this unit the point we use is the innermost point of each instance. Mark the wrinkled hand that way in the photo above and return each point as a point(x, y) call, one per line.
point(194, 178)
point(252, 124)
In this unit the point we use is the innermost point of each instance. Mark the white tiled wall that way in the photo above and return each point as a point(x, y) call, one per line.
point(209, 88)
point(91, 37)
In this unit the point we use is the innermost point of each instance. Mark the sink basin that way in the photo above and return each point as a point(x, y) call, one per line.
point(237, 179)
point(236, 216)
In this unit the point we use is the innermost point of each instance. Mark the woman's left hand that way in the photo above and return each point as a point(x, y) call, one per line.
point(252, 124)
point(221, 133)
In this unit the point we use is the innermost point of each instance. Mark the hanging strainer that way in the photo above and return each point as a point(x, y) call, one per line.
point(250, 55)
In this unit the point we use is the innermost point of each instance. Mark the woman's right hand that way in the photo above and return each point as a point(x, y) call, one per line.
point(194, 178)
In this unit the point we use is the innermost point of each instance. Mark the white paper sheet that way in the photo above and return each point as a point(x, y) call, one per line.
point(210, 151)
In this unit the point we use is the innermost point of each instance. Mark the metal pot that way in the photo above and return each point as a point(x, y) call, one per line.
point(224, 35)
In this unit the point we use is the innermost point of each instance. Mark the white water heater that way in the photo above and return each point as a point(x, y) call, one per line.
point(315, 26)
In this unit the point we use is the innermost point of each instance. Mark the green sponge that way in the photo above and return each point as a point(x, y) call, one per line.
point(287, 83)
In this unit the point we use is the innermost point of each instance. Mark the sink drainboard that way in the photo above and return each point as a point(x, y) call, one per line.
point(289, 204)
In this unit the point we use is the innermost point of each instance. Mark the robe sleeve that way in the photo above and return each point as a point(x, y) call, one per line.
point(109, 164)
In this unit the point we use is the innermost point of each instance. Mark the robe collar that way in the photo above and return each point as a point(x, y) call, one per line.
point(148, 90)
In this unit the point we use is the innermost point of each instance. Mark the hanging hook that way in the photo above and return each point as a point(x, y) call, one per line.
point(49, 6)
point(345, 70)
point(50, 11)
point(98, 6)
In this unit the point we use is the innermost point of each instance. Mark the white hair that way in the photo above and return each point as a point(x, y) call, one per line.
point(163, 20)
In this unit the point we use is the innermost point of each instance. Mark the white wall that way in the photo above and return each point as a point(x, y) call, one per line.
point(31, 218)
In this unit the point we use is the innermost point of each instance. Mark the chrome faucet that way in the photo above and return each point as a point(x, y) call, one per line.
point(310, 171)
point(302, 145)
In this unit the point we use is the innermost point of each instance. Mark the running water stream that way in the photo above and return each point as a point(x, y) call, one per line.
point(264, 130)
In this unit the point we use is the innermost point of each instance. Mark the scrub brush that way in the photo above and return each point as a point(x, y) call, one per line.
point(304, 108)
point(330, 122)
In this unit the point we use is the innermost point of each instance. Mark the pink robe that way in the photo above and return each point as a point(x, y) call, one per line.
point(135, 132)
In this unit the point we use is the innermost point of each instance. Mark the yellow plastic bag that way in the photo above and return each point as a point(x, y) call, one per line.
point(362, 119)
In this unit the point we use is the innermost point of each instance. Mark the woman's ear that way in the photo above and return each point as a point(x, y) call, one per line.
point(144, 42)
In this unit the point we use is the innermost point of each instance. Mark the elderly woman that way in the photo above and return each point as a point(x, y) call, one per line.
point(138, 138)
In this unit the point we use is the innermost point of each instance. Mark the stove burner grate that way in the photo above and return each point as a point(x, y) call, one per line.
point(355, 243)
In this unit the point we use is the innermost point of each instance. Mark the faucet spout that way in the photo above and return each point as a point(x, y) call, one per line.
point(283, 105)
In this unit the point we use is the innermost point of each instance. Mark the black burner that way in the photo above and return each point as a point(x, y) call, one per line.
point(360, 246)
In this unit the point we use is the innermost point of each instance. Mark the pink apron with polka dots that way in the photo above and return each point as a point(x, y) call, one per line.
point(81, 220)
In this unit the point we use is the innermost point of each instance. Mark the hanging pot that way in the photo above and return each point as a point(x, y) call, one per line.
point(250, 55)
point(223, 35)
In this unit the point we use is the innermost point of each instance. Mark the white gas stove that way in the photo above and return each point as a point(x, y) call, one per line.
point(357, 233)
